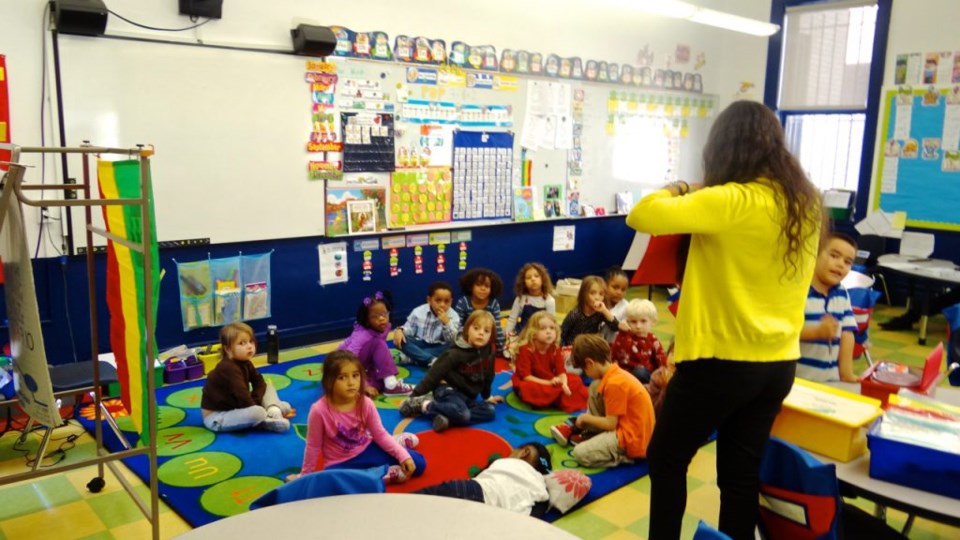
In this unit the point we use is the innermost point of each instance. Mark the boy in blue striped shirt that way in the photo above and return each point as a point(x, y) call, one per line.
point(826, 342)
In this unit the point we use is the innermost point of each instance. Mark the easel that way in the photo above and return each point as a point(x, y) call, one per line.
point(13, 186)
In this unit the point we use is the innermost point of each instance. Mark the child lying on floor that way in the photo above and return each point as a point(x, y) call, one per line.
point(514, 483)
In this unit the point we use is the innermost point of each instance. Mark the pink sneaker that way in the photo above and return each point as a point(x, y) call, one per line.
point(401, 389)
point(395, 475)
point(407, 440)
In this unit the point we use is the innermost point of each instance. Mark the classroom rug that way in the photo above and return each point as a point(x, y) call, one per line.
point(205, 476)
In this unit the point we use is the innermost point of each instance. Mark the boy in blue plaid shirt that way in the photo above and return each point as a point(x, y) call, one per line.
point(431, 328)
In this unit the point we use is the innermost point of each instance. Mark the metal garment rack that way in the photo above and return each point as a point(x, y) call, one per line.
point(13, 186)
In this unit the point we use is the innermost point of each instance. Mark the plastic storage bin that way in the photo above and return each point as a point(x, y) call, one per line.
point(826, 420)
point(925, 382)
point(182, 370)
point(914, 466)
point(210, 356)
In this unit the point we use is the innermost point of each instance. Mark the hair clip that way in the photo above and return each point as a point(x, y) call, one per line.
point(545, 462)
point(367, 301)
point(378, 295)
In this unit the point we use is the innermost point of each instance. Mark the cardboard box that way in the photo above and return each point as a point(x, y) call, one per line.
point(566, 293)
point(826, 420)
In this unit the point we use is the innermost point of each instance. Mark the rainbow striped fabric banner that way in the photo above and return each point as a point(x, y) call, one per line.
point(125, 288)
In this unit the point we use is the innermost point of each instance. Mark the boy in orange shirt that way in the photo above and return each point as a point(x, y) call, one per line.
point(621, 416)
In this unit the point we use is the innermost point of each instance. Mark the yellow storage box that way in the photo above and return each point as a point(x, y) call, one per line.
point(566, 293)
point(826, 420)
point(209, 355)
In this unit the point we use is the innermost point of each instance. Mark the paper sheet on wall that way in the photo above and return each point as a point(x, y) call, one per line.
point(548, 116)
point(333, 263)
point(951, 127)
point(888, 180)
point(836, 198)
point(564, 237)
point(901, 129)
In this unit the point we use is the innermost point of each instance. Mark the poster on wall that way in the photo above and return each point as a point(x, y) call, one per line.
point(4, 112)
point(333, 263)
point(483, 175)
point(420, 196)
point(341, 195)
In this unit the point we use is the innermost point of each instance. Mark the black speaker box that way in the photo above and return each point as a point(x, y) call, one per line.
point(313, 40)
point(212, 9)
point(81, 17)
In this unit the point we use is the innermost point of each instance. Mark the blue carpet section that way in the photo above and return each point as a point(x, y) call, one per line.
point(205, 476)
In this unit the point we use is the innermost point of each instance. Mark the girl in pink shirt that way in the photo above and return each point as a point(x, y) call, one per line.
point(344, 422)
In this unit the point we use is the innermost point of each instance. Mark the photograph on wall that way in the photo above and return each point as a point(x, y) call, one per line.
point(362, 216)
point(552, 200)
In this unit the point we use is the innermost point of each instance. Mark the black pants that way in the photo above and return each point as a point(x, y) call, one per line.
point(738, 400)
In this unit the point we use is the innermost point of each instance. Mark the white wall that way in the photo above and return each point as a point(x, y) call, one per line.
point(598, 29)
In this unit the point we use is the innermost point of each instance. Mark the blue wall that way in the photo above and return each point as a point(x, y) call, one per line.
point(304, 311)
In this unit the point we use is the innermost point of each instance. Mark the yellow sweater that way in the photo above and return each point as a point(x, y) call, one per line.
point(737, 301)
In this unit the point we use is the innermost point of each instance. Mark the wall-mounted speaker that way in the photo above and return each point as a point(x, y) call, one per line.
point(80, 17)
point(212, 9)
point(313, 40)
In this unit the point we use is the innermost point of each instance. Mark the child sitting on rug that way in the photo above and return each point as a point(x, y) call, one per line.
point(540, 378)
point(591, 312)
point(343, 423)
point(235, 395)
point(638, 350)
point(369, 342)
point(617, 285)
point(534, 293)
point(620, 422)
point(481, 287)
point(514, 483)
point(430, 329)
point(462, 374)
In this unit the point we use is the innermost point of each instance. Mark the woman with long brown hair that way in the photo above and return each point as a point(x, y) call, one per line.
point(755, 226)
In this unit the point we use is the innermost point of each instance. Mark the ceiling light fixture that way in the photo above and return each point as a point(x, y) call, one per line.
point(677, 9)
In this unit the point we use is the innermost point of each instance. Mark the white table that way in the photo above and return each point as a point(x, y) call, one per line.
point(855, 474)
point(382, 515)
point(931, 270)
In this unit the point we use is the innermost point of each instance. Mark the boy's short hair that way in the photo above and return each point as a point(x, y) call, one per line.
point(479, 315)
point(439, 285)
point(543, 460)
point(838, 236)
point(591, 346)
point(638, 307)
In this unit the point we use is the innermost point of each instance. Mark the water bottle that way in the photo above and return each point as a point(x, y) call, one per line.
point(273, 344)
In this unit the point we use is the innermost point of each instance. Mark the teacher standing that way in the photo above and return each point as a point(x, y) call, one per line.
point(755, 227)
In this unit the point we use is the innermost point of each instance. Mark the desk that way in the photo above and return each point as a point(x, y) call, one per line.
point(856, 476)
point(931, 270)
point(382, 515)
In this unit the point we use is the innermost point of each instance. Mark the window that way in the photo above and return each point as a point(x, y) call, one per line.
point(823, 87)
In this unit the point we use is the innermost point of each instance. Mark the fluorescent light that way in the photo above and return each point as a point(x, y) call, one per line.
point(677, 9)
point(733, 22)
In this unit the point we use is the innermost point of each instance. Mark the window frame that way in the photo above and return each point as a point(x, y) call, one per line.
point(778, 10)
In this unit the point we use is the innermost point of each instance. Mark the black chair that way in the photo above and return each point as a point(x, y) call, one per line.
point(869, 248)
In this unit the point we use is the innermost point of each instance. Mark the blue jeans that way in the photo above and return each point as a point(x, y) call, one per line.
point(421, 352)
point(458, 408)
point(374, 456)
point(235, 419)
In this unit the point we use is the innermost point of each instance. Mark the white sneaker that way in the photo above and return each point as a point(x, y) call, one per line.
point(277, 425)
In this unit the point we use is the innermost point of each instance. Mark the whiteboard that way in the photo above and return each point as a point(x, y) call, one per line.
point(230, 128)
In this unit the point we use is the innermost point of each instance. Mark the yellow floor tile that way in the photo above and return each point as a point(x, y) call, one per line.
point(622, 534)
point(704, 465)
point(66, 522)
point(611, 507)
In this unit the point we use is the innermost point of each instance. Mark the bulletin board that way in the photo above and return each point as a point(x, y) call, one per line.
point(918, 163)
point(231, 129)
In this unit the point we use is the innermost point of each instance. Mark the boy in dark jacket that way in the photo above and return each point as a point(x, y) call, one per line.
point(459, 376)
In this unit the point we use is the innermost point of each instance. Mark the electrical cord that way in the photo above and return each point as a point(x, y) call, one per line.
point(121, 17)
point(59, 454)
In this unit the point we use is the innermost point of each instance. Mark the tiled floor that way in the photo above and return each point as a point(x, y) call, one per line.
point(60, 506)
